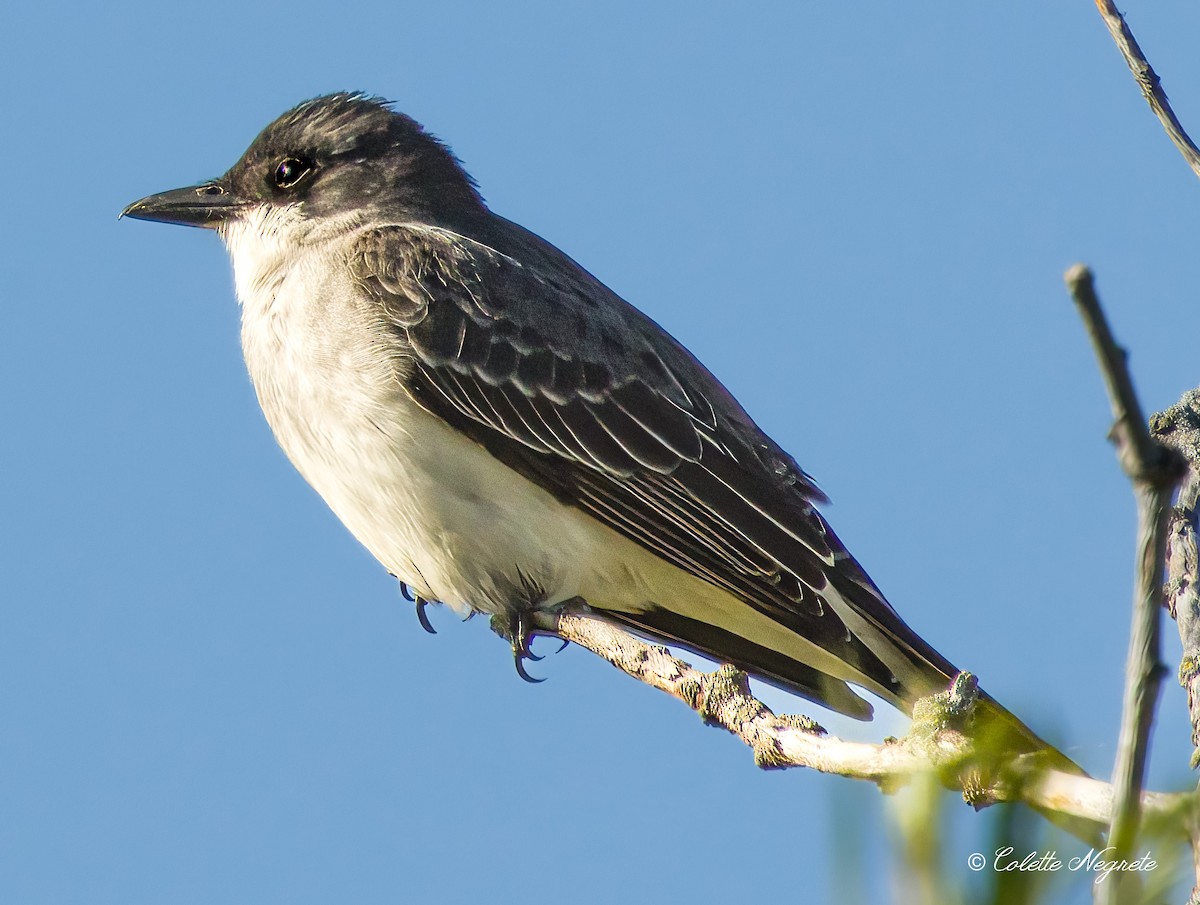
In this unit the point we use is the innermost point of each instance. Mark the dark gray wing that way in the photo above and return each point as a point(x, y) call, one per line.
point(566, 383)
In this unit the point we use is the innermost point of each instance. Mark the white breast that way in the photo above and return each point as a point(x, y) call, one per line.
point(433, 506)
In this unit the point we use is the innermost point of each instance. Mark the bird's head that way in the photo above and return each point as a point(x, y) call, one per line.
point(333, 161)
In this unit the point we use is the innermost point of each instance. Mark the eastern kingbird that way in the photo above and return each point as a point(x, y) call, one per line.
point(508, 436)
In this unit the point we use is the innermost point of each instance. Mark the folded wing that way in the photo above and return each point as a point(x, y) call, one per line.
point(567, 384)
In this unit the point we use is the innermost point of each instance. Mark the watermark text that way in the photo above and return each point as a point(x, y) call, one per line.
point(1097, 861)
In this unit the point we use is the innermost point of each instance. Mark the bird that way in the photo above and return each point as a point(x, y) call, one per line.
point(508, 436)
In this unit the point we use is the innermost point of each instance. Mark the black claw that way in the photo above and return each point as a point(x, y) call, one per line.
point(422, 616)
point(407, 593)
point(562, 647)
point(521, 670)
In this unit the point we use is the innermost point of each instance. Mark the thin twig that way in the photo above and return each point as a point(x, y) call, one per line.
point(1135, 447)
point(1154, 472)
point(1149, 82)
point(723, 698)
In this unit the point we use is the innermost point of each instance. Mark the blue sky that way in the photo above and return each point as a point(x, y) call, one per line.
point(859, 221)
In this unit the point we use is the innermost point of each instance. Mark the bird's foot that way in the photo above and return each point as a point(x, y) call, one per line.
point(516, 627)
point(519, 626)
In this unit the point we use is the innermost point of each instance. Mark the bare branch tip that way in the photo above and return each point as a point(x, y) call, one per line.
point(1076, 275)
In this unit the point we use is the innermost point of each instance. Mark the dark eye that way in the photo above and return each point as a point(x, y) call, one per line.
point(290, 171)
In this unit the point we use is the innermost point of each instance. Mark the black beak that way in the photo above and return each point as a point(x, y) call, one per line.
point(208, 205)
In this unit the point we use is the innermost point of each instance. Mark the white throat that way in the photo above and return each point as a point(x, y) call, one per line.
point(263, 245)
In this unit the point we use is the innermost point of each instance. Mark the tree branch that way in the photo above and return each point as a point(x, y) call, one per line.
point(723, 699)
point(1149, 82)
point(1179, 428)
point(1154, 471)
